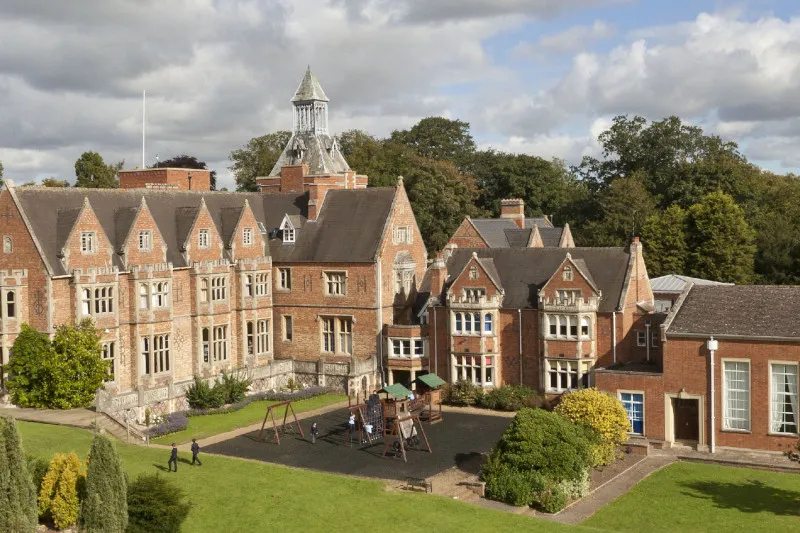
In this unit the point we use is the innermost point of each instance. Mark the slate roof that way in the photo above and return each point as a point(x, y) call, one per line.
point(349, 227)
point(675, 283)
point(309, 89)
point(523, 271)
point(320, 152)
point(504, 233)
point(738, 310)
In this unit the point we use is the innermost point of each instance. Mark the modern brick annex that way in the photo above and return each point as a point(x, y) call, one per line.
point(295, 281)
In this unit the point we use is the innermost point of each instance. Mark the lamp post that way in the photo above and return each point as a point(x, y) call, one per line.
point(713, 345)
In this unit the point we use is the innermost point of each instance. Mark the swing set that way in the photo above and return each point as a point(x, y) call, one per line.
point(283, 427)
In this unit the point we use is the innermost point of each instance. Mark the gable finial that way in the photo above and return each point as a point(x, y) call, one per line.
point(399, 181)
point(475, 255)
point(569, 256)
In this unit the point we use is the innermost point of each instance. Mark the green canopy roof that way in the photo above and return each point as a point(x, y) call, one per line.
point(431, 380)
point(396, 390)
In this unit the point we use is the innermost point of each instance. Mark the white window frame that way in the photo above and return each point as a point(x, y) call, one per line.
point(205, 290)
point(403, 280)
point(247, 237)
point(288, 231)
point(628, 413)
point(219, 343)
point(204, 238)
point(336, 335)
point(287, 328)
point(471, 323)
point(9, 303)
point(641, 338)
point(473, 294)
point(88, 242)
point(97, 300)
point(567, 274)
point(401, 235)
point(248, 285)
point(556, 365)
point(261, 284)
point(772, 392)
point(262, 336)
point(729, 422)
point(566, 322)
point(219, 288)
point(474, 368)
point(155, 349)
point(145, 240)
point(284, 279)
point(108, 352)
point(335, 282)
point(8, 245)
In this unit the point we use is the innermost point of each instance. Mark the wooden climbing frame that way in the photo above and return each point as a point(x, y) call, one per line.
point(271, 413)
point(397, 436)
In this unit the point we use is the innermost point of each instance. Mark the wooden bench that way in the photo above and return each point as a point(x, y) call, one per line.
point(416, 482)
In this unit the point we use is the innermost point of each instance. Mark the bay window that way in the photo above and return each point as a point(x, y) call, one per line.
point(567, 374)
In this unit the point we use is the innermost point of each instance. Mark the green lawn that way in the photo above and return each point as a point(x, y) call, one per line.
point(201, 427)
point(234, 495)
point(700, 497)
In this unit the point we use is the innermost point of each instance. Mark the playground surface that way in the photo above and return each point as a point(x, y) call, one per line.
point(457, 438)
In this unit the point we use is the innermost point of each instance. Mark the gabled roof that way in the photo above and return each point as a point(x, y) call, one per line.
point(309, 89)
point(523, 271)
point(737, 310)
point(319, 151)
point(675, 283)
point(230, 217)
point(583, 268)
point(504, 233)
point(348, 229)
point(52, 214)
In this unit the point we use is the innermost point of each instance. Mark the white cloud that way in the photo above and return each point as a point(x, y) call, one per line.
point(570, 40)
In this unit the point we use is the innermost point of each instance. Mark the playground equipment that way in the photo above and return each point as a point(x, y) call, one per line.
point(430, 396)
point(405, 435)
point(271, 413)
point(370, 419)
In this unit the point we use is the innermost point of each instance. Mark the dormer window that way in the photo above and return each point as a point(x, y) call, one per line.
point(88, 239)
point(144, 241)
point(566, 275)
point(262, 229)
point(247, 237)
point(287, 231)
point(473, 272)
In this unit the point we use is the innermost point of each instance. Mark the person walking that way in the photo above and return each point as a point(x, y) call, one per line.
point(314, 431)
point(351, 426)
point(195, 451)
point(173, 458)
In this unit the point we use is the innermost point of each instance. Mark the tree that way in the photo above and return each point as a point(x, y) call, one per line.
point(155, 504)
point(58, 498)
point(93, 173)
point(52, 182)
point(105, 507)
point(188, 161)
point(625, 205)
point(18, 510)
point(1, 169)
point(664, 240)
point(603, 414)
point(440, 196)
point(59, 375)
point(441, 139)
point(720, 240)
point(257, 158)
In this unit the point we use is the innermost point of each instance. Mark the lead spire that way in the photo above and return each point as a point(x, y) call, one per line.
point(310, 107)
point(309, 89)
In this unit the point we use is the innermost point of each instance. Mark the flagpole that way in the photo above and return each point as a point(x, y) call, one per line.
point(143, 119)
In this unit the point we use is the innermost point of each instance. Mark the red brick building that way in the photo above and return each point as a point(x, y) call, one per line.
point(541, 317)
point(183, 179)
point(296, 282)
point(751, 402)
point(511, 230)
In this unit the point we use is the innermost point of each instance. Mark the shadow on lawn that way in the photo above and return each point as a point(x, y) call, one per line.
point(748, 497)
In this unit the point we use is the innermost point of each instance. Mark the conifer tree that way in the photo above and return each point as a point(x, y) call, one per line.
point(18, 510)
point(105, 507)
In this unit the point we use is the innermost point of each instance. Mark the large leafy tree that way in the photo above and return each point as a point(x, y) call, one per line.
point(440, 196)
point(18, 511)
point(257, 158)
point(61, 374)
point(624, 206)
point(188, 161)
point(664, 240)
point(720, 240)
point(105, 507)
point(93, 173)
point(53, 182)
point(441, 139)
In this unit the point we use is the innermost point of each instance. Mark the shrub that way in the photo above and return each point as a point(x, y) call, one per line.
point(172, 423)
point(544, 442)
point(155, 504)
point(505, 484)
point(552, 498)
point(61, 374)
point(602, 413)
point(462, 392)
point(201, 395)
point(576, 488)
point(58, 497)
point(105, 507)
point(510, 398)
point(37, 468)
point(232, 388)
point(17, 496)
point(272, 396)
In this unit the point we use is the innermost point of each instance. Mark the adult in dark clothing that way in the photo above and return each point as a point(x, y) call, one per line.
point(195, 451)
point(314, 433)
point(173, 458)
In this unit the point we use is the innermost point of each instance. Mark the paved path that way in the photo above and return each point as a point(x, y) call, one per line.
point(79, 418)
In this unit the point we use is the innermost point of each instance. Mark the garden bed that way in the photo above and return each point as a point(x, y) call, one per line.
point(602, 475)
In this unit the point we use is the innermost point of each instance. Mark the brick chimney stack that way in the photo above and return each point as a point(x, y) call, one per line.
point(514, 209)
point(438, 275)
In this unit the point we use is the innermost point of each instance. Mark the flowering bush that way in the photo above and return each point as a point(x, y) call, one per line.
point(510, 398)
point(171, 423)
point(602, 413)
point(462, 392)
point(58, 497)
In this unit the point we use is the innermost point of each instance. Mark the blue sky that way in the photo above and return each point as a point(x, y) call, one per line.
point(535, 76)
